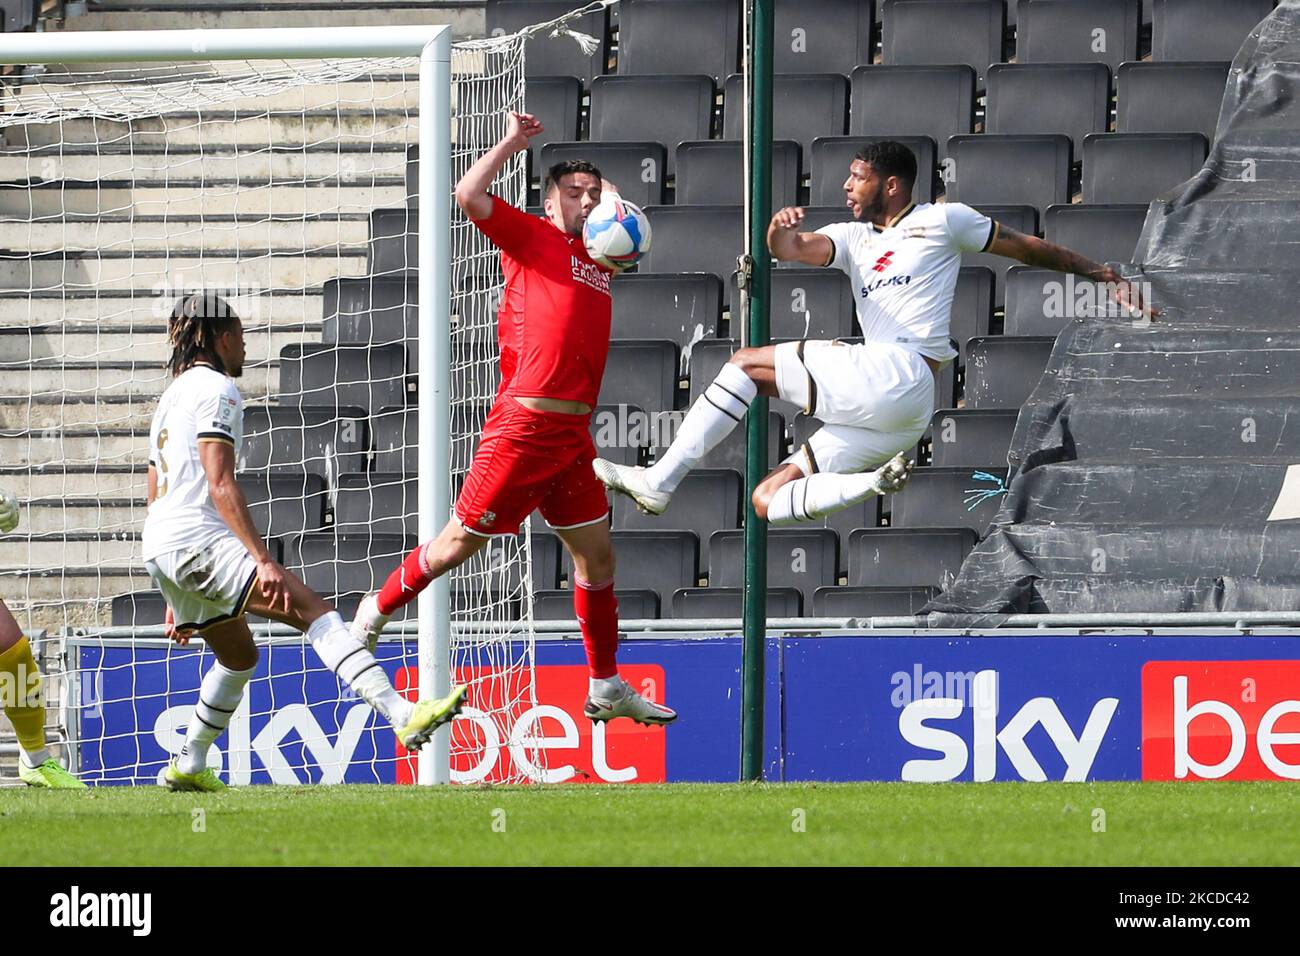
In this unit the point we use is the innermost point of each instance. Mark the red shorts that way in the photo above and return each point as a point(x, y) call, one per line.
point(528, 460)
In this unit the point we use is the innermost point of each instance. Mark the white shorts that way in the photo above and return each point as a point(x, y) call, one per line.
point(205, 586)
point(874, 399)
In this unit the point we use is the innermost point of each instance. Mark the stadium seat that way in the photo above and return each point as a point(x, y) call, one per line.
point(284, 505)
point(1203, 29)
point(343, 375)
point(832, 155)
point(803, 558)
point(1077, 31)
point(949, 498)
point(371, 311)
point(637, 169)
point(713, 171)
point(1068, 98)
point(1169, 97)
point(643, 373)
point(1106, 232)
point(468, 603)
point(708, 500)
point(475, 376)
point(381, 502)
point(394, 241)
point(805, 304)
point(547, 55)
point(695, 239)
point(907, 557)
point(730, 452)
point(557, 102)
point(345, 567)
point(728, 604)
point(325, 441)
point(1023, 219)
point(804, 106)
point(1002, 370)
point(661, 109)
point(1038, 303)
point(821, 35)
point(494, 560)
point(659, 561)
point(898, 101)
point(918, 32)
point(971, 437)
point(633, 605)
point(679, 36)
point(620, 432)
point(1138, 167)
point(139, 609)
point(394, 433)
point(681, 307)
point(1022, 169)
point(972, 305)
point(870, 602)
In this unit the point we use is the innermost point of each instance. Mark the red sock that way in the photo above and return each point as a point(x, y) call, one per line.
point(402, 586)
point(597, 611)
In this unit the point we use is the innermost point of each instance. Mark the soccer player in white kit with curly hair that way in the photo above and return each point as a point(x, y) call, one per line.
point(875, 399)
point(204, 553)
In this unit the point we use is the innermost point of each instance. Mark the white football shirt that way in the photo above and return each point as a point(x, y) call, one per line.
point(905, 275)
point(201, 405)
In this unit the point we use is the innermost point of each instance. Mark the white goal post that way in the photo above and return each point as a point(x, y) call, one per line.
point(432, 45)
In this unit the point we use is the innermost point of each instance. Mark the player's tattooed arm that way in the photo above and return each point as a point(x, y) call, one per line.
point(472, 190)
point(787, 243)
point(1042, 254)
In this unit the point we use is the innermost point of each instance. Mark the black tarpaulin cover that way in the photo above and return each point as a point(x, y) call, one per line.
point(1157, 466)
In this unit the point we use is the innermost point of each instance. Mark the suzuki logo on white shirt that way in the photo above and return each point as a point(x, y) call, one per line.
point(871, 287)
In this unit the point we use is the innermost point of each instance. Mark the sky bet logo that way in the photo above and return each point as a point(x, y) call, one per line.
point(944, 724)
point(1221, 720)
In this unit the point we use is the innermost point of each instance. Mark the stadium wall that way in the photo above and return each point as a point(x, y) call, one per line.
point(852, 706)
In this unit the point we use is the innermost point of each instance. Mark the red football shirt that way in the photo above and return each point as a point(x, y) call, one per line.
point(553, 327)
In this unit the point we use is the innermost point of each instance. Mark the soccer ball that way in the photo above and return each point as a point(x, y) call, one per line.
point(616, 234)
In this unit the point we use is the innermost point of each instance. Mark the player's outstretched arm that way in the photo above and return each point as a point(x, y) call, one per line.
point(789, 245)
point(1033, 251)
point(472, 190)
point(218, 459)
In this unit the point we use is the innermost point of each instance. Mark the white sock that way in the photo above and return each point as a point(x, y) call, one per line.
point(34, 758)
point(604, 687)
point(219, 696)
point(711, 419)
point(813, 498)
point(357, 667)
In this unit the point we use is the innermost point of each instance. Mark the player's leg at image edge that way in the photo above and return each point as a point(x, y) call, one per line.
point(23, 701)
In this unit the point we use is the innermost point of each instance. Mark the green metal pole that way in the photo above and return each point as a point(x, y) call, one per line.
point(759, 65)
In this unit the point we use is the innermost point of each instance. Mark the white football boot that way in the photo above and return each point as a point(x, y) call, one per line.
point(892, 475)
point(369, 623)
point(630, 480)
point(628, 703)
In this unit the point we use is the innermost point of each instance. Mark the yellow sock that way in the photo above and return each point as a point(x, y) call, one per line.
point(20, 691)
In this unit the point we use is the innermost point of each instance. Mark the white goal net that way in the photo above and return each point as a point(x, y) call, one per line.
point(287, 187)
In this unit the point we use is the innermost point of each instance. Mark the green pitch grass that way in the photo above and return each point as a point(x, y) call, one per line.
point(1103, 824)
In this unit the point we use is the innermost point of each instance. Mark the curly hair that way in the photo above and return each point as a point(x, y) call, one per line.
point(196, 321)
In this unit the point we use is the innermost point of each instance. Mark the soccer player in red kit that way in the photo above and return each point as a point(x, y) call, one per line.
point(536, 450)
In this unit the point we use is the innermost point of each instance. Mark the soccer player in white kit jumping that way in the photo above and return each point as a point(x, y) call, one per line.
point(875, 399)
point(204, 553)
